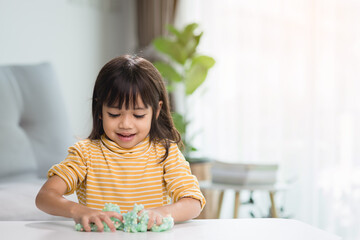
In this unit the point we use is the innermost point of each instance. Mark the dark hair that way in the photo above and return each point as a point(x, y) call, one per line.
point(120, 82)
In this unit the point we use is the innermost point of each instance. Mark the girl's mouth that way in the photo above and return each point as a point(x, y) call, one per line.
point(126, 137)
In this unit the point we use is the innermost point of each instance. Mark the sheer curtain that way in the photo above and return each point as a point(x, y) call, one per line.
point(285, 89)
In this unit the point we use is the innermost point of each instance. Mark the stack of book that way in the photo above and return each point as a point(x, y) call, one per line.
point(244, 174)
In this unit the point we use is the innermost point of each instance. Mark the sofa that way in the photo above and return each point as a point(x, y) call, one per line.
point(34, 134)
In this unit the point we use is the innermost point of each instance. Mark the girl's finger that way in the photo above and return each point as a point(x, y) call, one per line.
point(110, 224)
point(158, 220)
point(151, 222)
point(115, 215)
point(86, 225)
point(98, 223)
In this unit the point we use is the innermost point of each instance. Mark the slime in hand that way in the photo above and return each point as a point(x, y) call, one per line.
point(132, 221)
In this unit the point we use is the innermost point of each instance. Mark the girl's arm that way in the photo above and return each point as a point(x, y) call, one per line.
point(50, 200)
point(183, 188)
point(182, 210)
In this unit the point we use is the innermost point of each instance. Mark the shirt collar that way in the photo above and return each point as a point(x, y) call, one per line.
point(138, 150)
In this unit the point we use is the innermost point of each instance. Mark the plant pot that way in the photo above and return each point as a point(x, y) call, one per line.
point(201, 168)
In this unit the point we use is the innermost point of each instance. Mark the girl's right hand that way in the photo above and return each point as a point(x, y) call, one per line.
point(85, 216)
point(50, 200)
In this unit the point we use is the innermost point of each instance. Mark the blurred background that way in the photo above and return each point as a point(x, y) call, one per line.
point(284, 89)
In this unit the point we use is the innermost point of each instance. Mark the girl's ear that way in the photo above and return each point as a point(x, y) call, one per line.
point(159, 109)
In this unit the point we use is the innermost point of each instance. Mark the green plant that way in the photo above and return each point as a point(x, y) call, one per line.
point(183, 65)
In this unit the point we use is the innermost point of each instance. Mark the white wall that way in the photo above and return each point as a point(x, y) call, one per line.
point(77, 36)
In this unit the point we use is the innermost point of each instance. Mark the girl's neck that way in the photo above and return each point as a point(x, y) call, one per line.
point(138, 150)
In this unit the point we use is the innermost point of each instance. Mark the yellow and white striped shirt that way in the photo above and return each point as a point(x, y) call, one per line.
point(100, 172)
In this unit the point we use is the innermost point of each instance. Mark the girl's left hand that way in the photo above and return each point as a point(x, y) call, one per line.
point(155, 218)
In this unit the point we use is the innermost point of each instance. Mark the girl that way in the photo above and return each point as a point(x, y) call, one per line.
point(131, 155)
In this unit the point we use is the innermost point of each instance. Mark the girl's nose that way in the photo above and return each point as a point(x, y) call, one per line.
point(125, 122)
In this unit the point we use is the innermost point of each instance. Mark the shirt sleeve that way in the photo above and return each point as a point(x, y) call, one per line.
point(72, 170)
point(179, 180)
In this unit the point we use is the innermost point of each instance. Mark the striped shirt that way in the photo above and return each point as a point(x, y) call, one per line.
point(100, 172)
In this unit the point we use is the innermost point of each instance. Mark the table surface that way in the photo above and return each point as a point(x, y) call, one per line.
point(262, 228)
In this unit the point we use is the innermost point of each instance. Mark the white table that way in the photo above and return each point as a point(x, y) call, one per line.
point(271, 189)
point(212, 229)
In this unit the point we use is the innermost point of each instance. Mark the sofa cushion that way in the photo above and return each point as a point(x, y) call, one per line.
point(35, 130)
point(17, 198)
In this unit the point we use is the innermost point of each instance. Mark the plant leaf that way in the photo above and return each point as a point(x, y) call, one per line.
point(168, 72)
point(193, 149)
point(173, 30)
point(170, 88)
point(188, 33)
point(179, 122)
point(190, 47)
point(205, 61)
point(197, 73)
point(170, 48)
point(188, 40)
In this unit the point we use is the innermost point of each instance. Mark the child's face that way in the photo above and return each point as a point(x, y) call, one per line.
point(127, 127)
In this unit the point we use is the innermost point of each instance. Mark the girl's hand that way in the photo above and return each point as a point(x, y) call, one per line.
point(50, 200)
point(155, 217)
point(85, 216)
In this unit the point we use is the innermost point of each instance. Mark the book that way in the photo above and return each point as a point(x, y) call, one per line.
point(243, 173)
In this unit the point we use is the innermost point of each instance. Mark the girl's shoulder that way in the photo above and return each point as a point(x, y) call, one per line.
point(159, 149)
point(87, 144)
point(161, 145)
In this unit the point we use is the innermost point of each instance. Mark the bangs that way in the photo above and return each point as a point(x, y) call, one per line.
point(124, 91)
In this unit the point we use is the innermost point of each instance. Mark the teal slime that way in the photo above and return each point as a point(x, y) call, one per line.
point(132, 221)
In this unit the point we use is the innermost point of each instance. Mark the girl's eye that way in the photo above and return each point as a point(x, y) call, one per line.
point(113, 115)
point(139, 116)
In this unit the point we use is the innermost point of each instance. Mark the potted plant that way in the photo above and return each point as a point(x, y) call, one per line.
point(184, 66)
